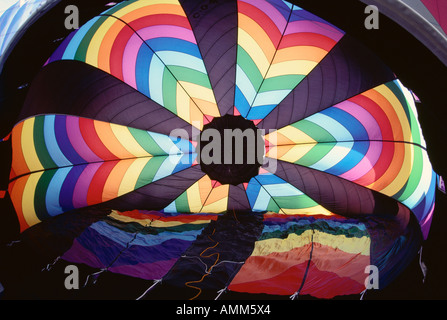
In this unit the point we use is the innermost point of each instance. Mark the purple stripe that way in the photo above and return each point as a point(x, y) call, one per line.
point(82, 185)
point(271, 11)
point(147, 271)
point(314, 27)
point(78, 254)
point(77, 141)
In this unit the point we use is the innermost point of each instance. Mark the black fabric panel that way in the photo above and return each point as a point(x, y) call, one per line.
point(214, 24)
point(338, 195)
point(75, 88)
point(237, 199)
point(221, 249)
point(158, 194)
point(347, 70)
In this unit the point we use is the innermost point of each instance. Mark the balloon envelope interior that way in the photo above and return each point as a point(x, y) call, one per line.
point(252, 135)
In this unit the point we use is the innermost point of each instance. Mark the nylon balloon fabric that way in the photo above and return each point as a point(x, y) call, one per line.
point(115, 119)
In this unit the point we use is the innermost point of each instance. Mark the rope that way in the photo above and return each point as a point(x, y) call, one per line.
point(422, 265)
point(207, 272)
point(297, 293)
point(150, 288)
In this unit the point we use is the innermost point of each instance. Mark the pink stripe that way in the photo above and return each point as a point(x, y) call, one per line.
point(366, 164)
point(82, 185)
point(426, 223)
point(77, 141)
point(364, 117)
point(271, 11)
point(373, 129)
point(167, 31)
point(133, 46)
point(314, 27)
point(130, 60)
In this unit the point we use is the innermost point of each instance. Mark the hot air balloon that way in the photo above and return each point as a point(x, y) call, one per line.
point(226, 147)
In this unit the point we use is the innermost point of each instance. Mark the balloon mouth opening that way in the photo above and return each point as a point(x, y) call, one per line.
point(231, 149)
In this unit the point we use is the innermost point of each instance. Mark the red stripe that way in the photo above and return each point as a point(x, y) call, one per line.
point(117, 52)
point(262, 19)
point(160, 19)
point(327, 284)
point(93, 141)
point(307, 39)
point(378, 113)
point(386, 130)
point(96, 188)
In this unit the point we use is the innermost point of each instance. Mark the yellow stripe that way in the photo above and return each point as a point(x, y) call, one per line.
point(131, 176)
point(28, 148)
point(194, 200)
point(295, 67)
point(29, 212)
point(293, 153)
point(153, 223)
point(317, 210)
point(156, 4)
point(182, 104)
point(294, 134)
point(92, 55)
point(128, 141)
point(202, 93)
point(349, 245)
point(399, 181)
point(254, 50)
point(399, 109)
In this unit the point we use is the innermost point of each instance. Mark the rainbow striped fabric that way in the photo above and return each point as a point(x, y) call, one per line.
point(361, 125)
point(342, 143)
point(321, 257)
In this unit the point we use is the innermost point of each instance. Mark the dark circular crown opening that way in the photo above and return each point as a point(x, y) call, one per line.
point(231, 149)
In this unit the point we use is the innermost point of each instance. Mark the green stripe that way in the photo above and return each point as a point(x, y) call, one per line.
point(146, 141)
point(40, 194)
point(40, 145)
point(169, 87)
point(133, 227)
point(415, 176)
point(313, 130)
point(320, 225)
point(181, 203)
point(81, 52)
point(149, 171)
point(295, 202)
point(190, 75)
point(315, 154)
point(285, 82)
point(246, 63)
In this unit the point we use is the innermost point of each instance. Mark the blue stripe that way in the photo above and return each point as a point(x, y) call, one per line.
point(173, 44)
point(68, 186)
point(143, 63)
point(60, 128)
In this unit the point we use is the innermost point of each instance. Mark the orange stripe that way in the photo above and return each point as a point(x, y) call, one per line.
point(108, 138)
point(106, 45)
point(15, 190)
point(259, 35)
point(152, 9)
point(113, 182)
point(391, 114)
point(19, 165)
point(300, 53)
point(393, 170)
